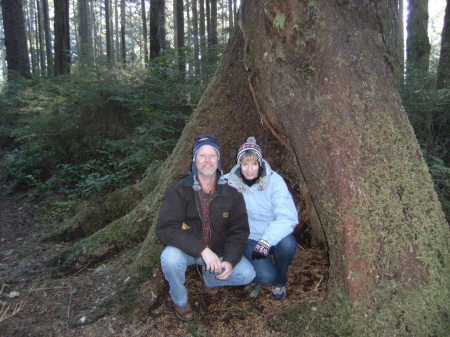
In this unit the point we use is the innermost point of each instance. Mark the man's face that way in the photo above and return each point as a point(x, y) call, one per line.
point(206, 161)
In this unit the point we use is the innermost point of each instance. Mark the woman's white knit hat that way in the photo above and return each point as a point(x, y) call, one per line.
point(249, 145)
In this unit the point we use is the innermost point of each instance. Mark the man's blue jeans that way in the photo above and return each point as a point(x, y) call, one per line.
point(274, 271)
point(174, 264)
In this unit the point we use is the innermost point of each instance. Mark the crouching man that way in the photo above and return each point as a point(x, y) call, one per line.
point(203, 221)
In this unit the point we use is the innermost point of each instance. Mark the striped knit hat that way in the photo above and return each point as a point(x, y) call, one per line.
point(249, 145)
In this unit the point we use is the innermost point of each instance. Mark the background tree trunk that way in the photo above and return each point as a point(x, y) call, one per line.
point(443, 74)
point(202, 33)
point(196, 43)
point(179, 35)
point(109, 34)
point(62, 38)
point(29, 18)
point(48, 39)
point(144, 32)
point(40, 23)
point(84, 31)
point(417, 43)
point(156, 27)
point(15, 39)
point(329, 97)
point(123, 46)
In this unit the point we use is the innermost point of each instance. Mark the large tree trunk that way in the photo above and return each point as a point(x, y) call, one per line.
point(319, 78)
point(15, 39)
point(314, 83)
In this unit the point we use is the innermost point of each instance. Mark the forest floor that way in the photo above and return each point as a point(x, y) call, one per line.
point(33, 303)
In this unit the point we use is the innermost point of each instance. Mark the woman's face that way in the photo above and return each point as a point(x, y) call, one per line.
point(249, 168)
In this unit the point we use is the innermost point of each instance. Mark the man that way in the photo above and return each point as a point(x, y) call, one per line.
point(203, 221)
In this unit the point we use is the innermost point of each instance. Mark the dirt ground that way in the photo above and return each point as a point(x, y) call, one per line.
point(32, 303)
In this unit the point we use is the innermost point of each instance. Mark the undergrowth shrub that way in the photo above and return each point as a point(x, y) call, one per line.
point(98, 129)
point(428, 111)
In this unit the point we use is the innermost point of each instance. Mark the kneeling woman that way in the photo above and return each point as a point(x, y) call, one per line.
point(271, 214)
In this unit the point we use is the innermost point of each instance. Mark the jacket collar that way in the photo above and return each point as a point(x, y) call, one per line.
point(221, 189)
point(236, 181)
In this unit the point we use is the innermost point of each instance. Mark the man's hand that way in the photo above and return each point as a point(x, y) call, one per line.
point(212, 261)
point(227, 271)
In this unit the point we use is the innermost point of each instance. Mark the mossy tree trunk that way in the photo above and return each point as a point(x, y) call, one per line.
point(317, 77)
point(315, 84)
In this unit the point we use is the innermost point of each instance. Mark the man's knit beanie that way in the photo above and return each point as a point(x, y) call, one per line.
point(198, 143)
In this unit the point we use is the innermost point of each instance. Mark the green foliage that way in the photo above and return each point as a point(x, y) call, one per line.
point(96, 130)
point(427, 109)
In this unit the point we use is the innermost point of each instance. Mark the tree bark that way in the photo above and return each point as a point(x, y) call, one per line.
point(157, 21)
point(109, 33)
point(203, 37)
point(179, 36)
point(328, 95)
point(123, 46)
point(40, 23)
point(62, 38)
point(144, 33)
point(196, 43)
point(443, 72)
point(84, 31)
point(417, 43)
point(15, 39)
point(311, 81)
point(48, 40)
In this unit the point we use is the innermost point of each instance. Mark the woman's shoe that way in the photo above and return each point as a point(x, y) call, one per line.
point(278, 293)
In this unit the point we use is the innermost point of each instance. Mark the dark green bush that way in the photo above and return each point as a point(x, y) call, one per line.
point(428, 110)
point(98, 129)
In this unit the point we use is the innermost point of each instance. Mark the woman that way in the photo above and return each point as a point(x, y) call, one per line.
point(271, 214)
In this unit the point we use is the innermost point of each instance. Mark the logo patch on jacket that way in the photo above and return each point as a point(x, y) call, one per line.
point(225, 214)
point(184, 226)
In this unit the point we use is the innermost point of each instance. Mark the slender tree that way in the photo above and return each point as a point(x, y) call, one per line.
point(15, 39)
point(109, 35)
point(212, 39)
point(195, 40)
point(203, 36)
point(443, 73)
point(123, 45)
point(116, 29)
point(84, 31)
point(31, 37)
point(144, 32)
point(230, 14)
point(157, 21)
point(62, 38)
point(179, 35)
point(40, 23)
point(417, 43)
point(48, 39)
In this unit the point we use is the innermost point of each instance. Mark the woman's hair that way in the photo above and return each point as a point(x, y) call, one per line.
point(249, 154)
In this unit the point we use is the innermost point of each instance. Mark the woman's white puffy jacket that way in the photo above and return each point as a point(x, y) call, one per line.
point(271, 210)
